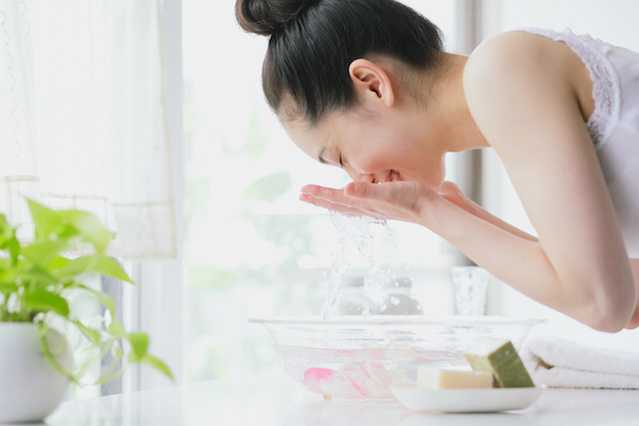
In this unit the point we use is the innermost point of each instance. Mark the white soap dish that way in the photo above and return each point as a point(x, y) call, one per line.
point(465, 400)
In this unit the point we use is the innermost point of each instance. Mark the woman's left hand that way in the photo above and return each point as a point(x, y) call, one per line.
point(405, 201)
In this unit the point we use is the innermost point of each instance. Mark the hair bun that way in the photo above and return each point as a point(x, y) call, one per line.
point(265, 17)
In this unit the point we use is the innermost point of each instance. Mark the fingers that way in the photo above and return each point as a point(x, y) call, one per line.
point(329, 194)
point(404, 200)
point(341, 208)
point(331, 206)
point(402, 194)
point(337, 196)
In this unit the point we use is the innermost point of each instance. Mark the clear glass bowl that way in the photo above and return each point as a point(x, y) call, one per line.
point(361, 357)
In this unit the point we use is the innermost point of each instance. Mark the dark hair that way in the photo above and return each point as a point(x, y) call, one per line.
point(313, 42)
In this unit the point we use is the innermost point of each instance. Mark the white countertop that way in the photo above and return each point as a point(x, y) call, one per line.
point(278, 401)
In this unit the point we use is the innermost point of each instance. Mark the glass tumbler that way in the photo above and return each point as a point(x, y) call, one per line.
point(469, 287)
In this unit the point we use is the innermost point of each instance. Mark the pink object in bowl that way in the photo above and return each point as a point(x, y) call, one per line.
point(361, 381)
point(329, 382)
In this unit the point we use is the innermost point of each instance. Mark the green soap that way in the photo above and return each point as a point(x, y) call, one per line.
point(505, 365)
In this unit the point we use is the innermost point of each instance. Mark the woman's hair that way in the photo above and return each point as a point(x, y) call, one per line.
point(313, 42)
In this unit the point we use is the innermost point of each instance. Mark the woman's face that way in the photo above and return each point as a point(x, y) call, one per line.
point(378, 146)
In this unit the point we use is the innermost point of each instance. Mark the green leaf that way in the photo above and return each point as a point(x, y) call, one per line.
point(89, 227)
point(47, 221)
point(67, 232)
point(159, 365)
point(65, 224)
point(139, 346)
point(42, 329)
point(58, 262)
point(92, 334)
point(5, 228)
point(116, 329)
point(8, 276)
point(117, 352)
point(104, 299)
point(72, 267)
point(8, 287)
point(38, 275)
point(8, 240)
point(110, 267)
point(111, 373)
point(97, 264)
point(43, 300)
point(43, 252)
point(13, 245)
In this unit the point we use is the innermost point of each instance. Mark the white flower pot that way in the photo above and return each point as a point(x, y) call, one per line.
point(30, 388)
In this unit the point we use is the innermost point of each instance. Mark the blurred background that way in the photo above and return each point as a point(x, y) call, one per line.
point(151, 113)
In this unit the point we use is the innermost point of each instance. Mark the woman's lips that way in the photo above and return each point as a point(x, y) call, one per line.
point(389, 176)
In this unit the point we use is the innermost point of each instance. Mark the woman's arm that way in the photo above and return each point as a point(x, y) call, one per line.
point(452, 193)
point(526, 107)
point(522, 263)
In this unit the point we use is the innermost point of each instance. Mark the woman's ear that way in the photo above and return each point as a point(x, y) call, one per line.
point(372, 84)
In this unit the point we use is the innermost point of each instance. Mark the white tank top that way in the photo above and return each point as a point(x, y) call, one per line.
point(614, 123)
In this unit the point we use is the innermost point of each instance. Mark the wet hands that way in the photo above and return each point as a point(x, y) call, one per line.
point(407, 201)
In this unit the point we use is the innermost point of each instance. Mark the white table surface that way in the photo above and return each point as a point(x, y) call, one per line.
point(278, 401)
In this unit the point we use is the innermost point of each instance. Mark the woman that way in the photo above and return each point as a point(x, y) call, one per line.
point(364, 85)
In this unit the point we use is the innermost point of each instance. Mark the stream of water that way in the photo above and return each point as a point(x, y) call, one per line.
point(363, 249)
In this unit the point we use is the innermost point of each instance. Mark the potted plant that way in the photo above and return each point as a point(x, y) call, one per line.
point(37, 277)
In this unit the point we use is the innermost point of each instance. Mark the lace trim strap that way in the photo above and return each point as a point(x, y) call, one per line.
point(605, 87)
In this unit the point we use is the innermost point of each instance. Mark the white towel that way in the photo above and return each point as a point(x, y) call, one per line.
point(561, 363)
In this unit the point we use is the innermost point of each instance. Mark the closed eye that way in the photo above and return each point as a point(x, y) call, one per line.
point(341, 160)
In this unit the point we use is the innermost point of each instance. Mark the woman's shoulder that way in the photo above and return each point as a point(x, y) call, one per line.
point(520, 59)
point(515, 76)
point(512, 47)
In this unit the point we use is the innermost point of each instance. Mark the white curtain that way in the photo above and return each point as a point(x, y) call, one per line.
point(83, 118)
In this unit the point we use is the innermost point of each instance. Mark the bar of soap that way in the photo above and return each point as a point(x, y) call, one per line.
point(504, 364)
point(435, 378)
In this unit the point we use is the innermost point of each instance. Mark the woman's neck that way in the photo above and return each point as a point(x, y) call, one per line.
point(455, 127)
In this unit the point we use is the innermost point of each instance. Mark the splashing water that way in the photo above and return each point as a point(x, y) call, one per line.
point(362, 242)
